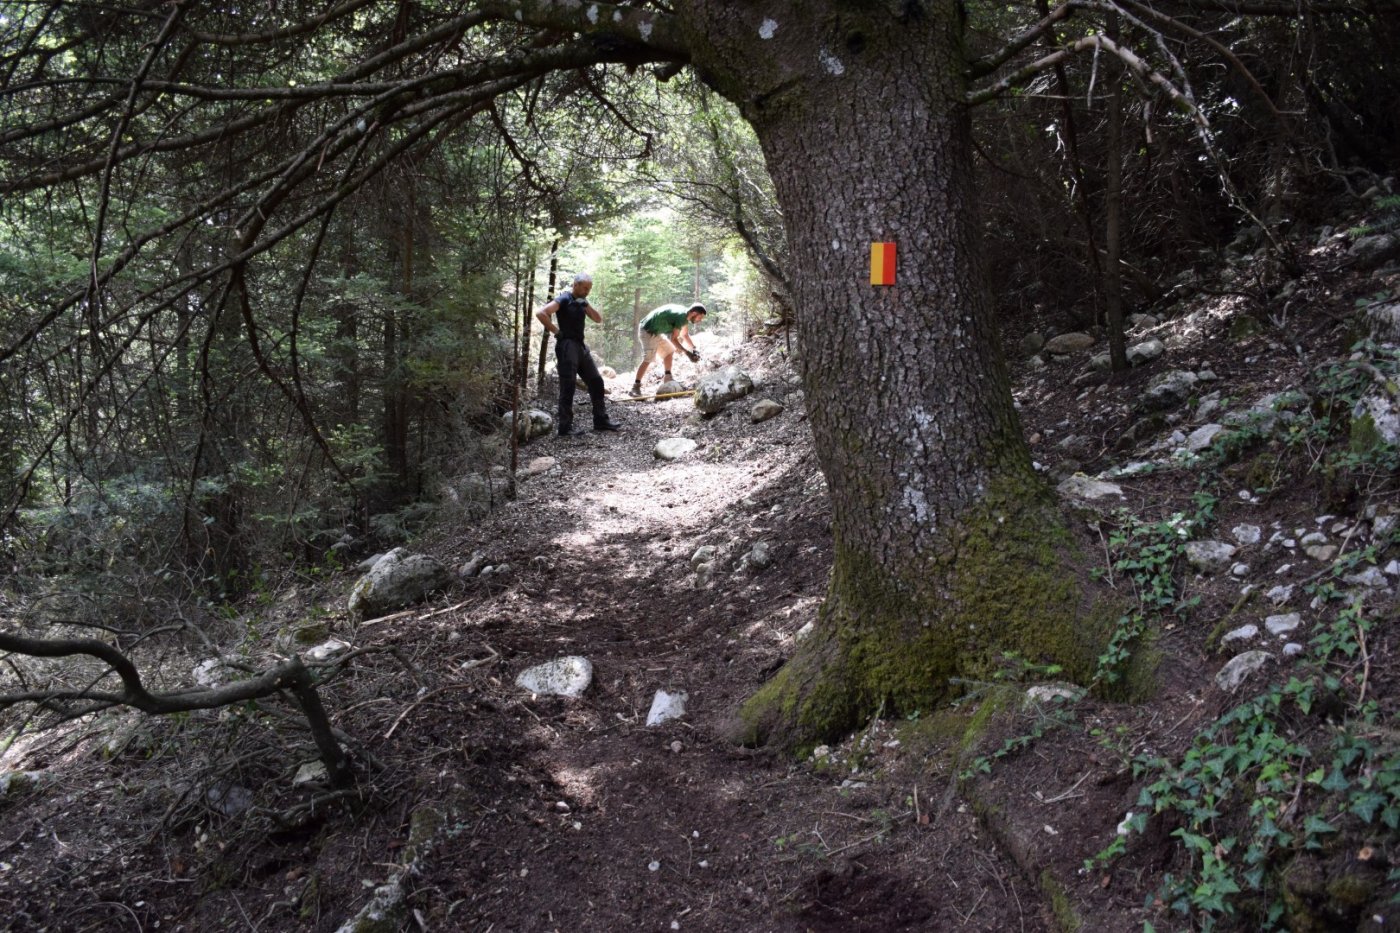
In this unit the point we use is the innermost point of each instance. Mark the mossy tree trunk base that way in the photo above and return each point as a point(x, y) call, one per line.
point(895, 640)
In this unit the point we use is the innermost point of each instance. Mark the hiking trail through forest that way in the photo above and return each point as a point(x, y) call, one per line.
point(592, 820)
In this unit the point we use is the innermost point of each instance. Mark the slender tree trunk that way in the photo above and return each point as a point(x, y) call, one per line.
point(636, 323)
point(1113, 205)
point(949, 550)
point(544, 334)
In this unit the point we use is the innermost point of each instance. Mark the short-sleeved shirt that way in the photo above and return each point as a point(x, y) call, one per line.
point(572, 313)
point(664, 319)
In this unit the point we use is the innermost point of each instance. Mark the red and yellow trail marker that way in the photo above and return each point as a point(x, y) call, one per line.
point(881, 263)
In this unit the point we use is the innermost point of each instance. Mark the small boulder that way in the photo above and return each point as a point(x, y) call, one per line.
point(1032, 344)
point(703, 555)
point(398, 580)
point(721, 387)
point(1080, 486)
point(1368, 252)
point(1168, 390)
point(667, 706)
point(567, 677)
point(765, 409)
point(1201, 438)
point(533, 423)
point(540, 465)
point(1209, 556)
point(1065, 344)
point(1238, 669)
point(1246, 534)
point(673, 448)
point(1145, 352)
point(1283, 624)
point(1243, 633)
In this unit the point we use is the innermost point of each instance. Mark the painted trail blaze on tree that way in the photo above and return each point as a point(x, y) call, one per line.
point(949, 550)
point(882, 263)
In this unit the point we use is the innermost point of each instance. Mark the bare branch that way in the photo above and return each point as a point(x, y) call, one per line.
point(1097, 42)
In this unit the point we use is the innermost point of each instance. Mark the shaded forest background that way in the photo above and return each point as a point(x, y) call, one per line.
point(188, 427)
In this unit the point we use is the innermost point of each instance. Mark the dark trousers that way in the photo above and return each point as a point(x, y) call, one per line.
point(575, 360)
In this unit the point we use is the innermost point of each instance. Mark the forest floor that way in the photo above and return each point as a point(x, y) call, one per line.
point(487, 808)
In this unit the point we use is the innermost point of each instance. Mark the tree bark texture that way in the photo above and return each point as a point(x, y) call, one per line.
point(948, 549)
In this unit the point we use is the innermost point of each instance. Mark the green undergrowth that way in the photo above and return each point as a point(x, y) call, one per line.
point(1144, 560)
point(1324, 428)
point(1309, 768)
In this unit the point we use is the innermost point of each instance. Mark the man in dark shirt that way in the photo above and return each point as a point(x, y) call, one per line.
point(572, 308)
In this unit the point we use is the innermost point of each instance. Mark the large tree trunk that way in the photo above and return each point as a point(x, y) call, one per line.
point(949, 551)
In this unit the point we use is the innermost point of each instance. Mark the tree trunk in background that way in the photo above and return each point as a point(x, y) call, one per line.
point(527, 315)
point(1113, 205)
point(395, 391)
point(949, 550)
point(544, 334)
point(636, 323)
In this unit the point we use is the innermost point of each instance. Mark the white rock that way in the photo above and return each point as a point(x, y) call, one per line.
point(1238, 669)
point(1049, 693)
point(1201, 438)
point(1209, 556)
point(804, 631)
point(541, 465)
point(667, 706)
point(1321, 552)
point(1145, 352)
point(1129, 469)
point(1280, 594)
point(1313, 537)
point(1282, 569)
point(1246, 534)
point(1392, 569)
point(720, 388)
point(568, 677)
point(673, 448)
point(1371, 576)
point(1239, 570)
point(327, 650)
point(1383, 525)
point(703, 555)
point(1082, 487)
point(1292, 649)
point(309, 772)
point(1243, 633)
point(1283, 624)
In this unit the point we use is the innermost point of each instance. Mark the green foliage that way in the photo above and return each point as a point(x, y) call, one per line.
point(1259, 785)
point(1147, 553)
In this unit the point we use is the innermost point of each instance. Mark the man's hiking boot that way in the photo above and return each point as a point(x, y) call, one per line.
point(607, 426)
point(571, 431)
point(636, 390)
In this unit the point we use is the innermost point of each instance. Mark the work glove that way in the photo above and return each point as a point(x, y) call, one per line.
point(694, 357)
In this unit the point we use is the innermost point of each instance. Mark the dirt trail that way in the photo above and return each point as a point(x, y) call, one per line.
point(573, 815)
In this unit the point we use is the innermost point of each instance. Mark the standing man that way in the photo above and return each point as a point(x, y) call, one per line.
point(572, 353)
point(662, 331)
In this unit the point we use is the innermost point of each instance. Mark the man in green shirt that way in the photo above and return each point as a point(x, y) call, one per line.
point(662, 331)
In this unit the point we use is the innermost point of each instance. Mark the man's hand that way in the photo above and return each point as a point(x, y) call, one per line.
point(694, 357)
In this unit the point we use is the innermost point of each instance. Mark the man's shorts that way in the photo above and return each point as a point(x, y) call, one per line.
point(652, 344)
